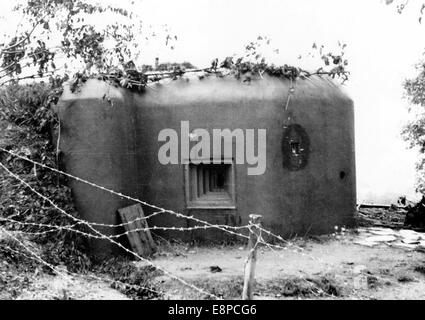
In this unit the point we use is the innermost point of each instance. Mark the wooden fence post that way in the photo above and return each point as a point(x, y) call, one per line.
point(249, 275)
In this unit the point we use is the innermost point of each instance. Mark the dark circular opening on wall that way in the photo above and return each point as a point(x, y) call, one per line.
point(342, 175)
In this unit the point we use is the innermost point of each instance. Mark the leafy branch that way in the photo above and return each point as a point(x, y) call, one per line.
point(62, 30)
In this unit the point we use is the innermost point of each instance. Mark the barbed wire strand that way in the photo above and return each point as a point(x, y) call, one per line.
point(70, 228)
point(180, 215)
point(36, 257)
point(56, 228)
point(160, 210)
point(166, 272)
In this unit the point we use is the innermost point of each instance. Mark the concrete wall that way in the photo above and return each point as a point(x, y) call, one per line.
point(97, 144)
point(117, 146)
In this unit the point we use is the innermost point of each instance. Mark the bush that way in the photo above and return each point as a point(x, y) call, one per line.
point(25, 111)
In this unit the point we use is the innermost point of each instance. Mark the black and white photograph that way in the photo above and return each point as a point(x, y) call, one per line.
point(229, 151)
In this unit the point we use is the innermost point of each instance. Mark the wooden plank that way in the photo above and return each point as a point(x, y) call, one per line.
point(141, 241)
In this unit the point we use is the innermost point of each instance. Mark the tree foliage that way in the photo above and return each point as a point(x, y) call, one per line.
point(63, 37)
point(414, 131)
point(401, 5)
point(26, 130)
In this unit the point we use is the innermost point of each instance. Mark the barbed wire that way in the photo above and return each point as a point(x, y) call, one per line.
point(271, 247)
point(56, 228)
point(206, 225)
point(36, 257)
point(70, 228)
point(123, 224)
point(103, 236)
point(259, 241)
point(179, 215)
point(160, 210)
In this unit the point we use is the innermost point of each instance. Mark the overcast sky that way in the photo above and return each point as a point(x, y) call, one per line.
point(383, 47)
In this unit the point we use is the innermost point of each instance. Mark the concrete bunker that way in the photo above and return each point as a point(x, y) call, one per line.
point(308, 185)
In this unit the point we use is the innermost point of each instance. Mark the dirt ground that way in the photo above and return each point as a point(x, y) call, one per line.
point(73, 287)
point(369, 264)
point(365, 263)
